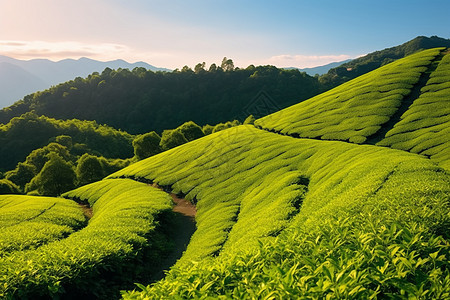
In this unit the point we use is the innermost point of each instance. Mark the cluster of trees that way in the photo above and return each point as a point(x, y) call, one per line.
point(140, 100)
point(29, 132)
point(151, 143)
point(54, 169)
point(63, 164)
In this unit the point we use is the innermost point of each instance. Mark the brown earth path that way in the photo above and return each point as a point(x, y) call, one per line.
point(182, 227)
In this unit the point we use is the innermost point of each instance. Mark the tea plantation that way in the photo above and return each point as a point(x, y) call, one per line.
point(85, 261)
point(296, 206)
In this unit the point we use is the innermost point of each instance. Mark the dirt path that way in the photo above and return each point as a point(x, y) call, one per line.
point(182, 206)
point(179, 230)
point(86, 210)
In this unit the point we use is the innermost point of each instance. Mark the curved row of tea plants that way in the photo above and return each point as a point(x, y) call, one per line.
point(29, 222)
point(425, 127)
point(303, 219)
point(354, 110)
point(89, 261)
point(245, 193)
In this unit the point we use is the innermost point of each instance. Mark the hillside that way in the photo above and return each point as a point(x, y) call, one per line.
point(374, 106)
point(281, 211)
point(374, 60)
point(23, 77)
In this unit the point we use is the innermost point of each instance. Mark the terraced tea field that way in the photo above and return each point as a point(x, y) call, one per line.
point(360, 110)
point(294, 207)
point(122, 224)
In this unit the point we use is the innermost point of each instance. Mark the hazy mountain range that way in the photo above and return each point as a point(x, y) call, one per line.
point(19, 78)
point(322, 69)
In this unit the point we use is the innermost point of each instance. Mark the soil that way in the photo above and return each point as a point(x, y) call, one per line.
point(87, 210)
point(181, 227)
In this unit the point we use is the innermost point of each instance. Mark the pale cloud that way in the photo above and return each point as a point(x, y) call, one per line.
point(61, 50)
point(302, 61)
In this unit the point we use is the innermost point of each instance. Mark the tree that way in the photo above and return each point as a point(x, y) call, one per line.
point(146, 145)
point(39, 157)
point(171, 139)
point(199, 68)
point(89, 169)
point(249, 120)
point(65, 141)
point(8, 187)
point(191, 131)
point(212, 68)
point(227, 64)
point(186, 69)
point(22, 174)
point(56, 177)
point(208, 129)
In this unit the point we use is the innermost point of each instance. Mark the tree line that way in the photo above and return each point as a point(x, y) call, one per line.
point(68, 154)
point(140, 100)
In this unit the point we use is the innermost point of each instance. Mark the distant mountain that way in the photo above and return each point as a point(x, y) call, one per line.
point(19, 78)
point(322, 69)
point(15, 82)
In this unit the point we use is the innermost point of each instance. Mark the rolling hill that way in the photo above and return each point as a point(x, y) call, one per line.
point(345, 195)
point(374, 60)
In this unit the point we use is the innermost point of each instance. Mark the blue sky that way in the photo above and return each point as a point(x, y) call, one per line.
point(176, 33)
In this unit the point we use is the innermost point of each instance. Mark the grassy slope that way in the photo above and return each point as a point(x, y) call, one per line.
point(249, 185)
point(358, 109)
point(123, 222)
point(425, 127)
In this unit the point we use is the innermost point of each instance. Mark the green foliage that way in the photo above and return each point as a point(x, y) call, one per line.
point(354, 110)
point(191, 131)
point(22, 174)
point(344, 261)
point(28, 132)
point(37, 158)
point(425, 127)
point(56, 177)
point(8, 187)
point(171, 139)
point(141, 101)
point(89, 169)
point(146, 145)
point(226, 125)
point(64, 140)
point(277, 217)
point(30, 222)
point(96, 259)
point(250, 120)
point(251, 185)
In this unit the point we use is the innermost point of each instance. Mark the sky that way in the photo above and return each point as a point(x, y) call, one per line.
point(172, 34)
